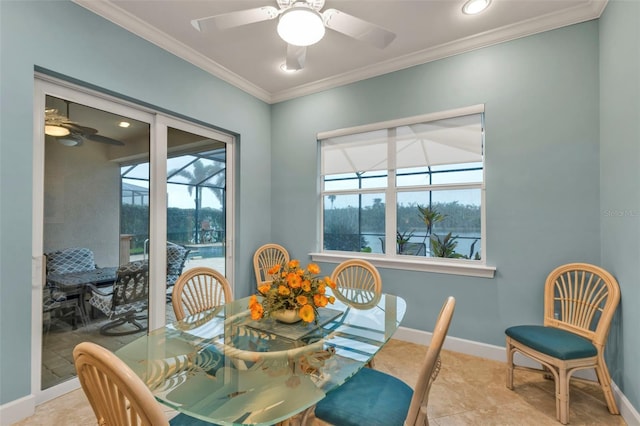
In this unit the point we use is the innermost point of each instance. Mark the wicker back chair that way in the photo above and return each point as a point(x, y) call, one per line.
point(579, 302)
point(265, 258)
point(117, 396)
point(372, 397)
point(358, 283)
point(199, 289)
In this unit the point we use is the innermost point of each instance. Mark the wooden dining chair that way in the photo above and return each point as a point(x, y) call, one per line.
point(579, 302)
point(199, 289)
point(372, 397)
point(358, 283)
point(117, 395)
point(265, 258)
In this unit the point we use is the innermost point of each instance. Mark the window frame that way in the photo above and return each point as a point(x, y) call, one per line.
point(466, 267)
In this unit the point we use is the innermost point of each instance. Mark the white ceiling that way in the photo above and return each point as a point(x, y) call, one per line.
point(249, 57)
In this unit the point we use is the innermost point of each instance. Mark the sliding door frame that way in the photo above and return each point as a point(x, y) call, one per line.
point(159, 122)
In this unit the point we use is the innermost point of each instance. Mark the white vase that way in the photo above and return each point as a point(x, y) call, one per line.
point(288, 316)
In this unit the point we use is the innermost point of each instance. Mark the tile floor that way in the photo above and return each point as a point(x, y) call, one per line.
point(468, 391)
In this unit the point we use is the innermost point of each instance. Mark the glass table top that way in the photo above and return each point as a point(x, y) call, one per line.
point(221, 366)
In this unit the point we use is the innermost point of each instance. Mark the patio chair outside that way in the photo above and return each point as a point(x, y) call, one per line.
point(126, 300)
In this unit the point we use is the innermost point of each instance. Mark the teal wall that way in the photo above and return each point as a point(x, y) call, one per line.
point(542, 100)
point(68, 39)
point(620, 182)
point(554, 145)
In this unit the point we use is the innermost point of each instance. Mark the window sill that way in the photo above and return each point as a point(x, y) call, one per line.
point(441, 266)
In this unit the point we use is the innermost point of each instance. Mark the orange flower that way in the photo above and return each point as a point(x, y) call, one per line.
point(293, 264)
point(332, 299)
point(283, 290)
point(274, 269)
point(294, 280)
point(306, 313)
point(257, 311)
point(313, 268)
point(293, 287)
point(320, 300)
point(327, 281)
point(253, 300)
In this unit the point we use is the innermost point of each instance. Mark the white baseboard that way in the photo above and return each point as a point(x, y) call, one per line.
point(499, 353)
point(22, 408)
point(17, 410)
point(627, 411)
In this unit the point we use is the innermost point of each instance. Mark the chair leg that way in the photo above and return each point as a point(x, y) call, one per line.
point(305, 416)
point(509, 364)
point(562, 396)
point(602, 372)
point(106, 329)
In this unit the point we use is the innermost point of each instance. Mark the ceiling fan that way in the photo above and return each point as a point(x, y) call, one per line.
point(70, 133)
point(301, 24)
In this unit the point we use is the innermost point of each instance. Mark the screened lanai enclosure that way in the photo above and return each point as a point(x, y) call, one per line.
point(196, 191)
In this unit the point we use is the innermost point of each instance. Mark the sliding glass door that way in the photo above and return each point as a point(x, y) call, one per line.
point(119, 192)
point(196, 194)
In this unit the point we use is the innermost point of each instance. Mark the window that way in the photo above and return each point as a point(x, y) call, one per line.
point(408, 189)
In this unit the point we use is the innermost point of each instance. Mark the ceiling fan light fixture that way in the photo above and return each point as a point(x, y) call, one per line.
point(53, 130)
point(70, 141)
point(301, 26)
point(473, 7)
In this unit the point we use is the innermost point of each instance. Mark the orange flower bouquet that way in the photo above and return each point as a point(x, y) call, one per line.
point(293, 288)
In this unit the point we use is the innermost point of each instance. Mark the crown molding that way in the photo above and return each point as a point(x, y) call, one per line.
point(570, 16)
point(133, 24)
point(581, 13)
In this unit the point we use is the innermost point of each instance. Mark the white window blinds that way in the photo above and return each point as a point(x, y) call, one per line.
point(452, 140)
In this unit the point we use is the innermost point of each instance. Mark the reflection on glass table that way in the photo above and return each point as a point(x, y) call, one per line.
point(221, 366)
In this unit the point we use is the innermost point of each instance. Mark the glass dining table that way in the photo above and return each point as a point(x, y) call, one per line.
point(223, 367)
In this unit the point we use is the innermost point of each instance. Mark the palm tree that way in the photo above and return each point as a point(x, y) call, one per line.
point(332, 198)
point(201, 175)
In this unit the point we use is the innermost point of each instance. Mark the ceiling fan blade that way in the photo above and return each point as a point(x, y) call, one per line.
point(76, 128)
point(103, 139)
point(296, 55)
point(235, 19)
point(357, 28)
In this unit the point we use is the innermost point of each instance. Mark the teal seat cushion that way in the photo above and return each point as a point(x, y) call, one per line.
point(552, 341)
point(184, 420)
point(370, 398)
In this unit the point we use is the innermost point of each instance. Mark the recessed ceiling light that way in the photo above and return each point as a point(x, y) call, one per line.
point(124, 124)
point(473, 7)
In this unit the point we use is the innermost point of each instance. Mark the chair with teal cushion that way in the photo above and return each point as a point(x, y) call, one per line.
point(374, 398)
point(579, 302)
point(116, 394)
